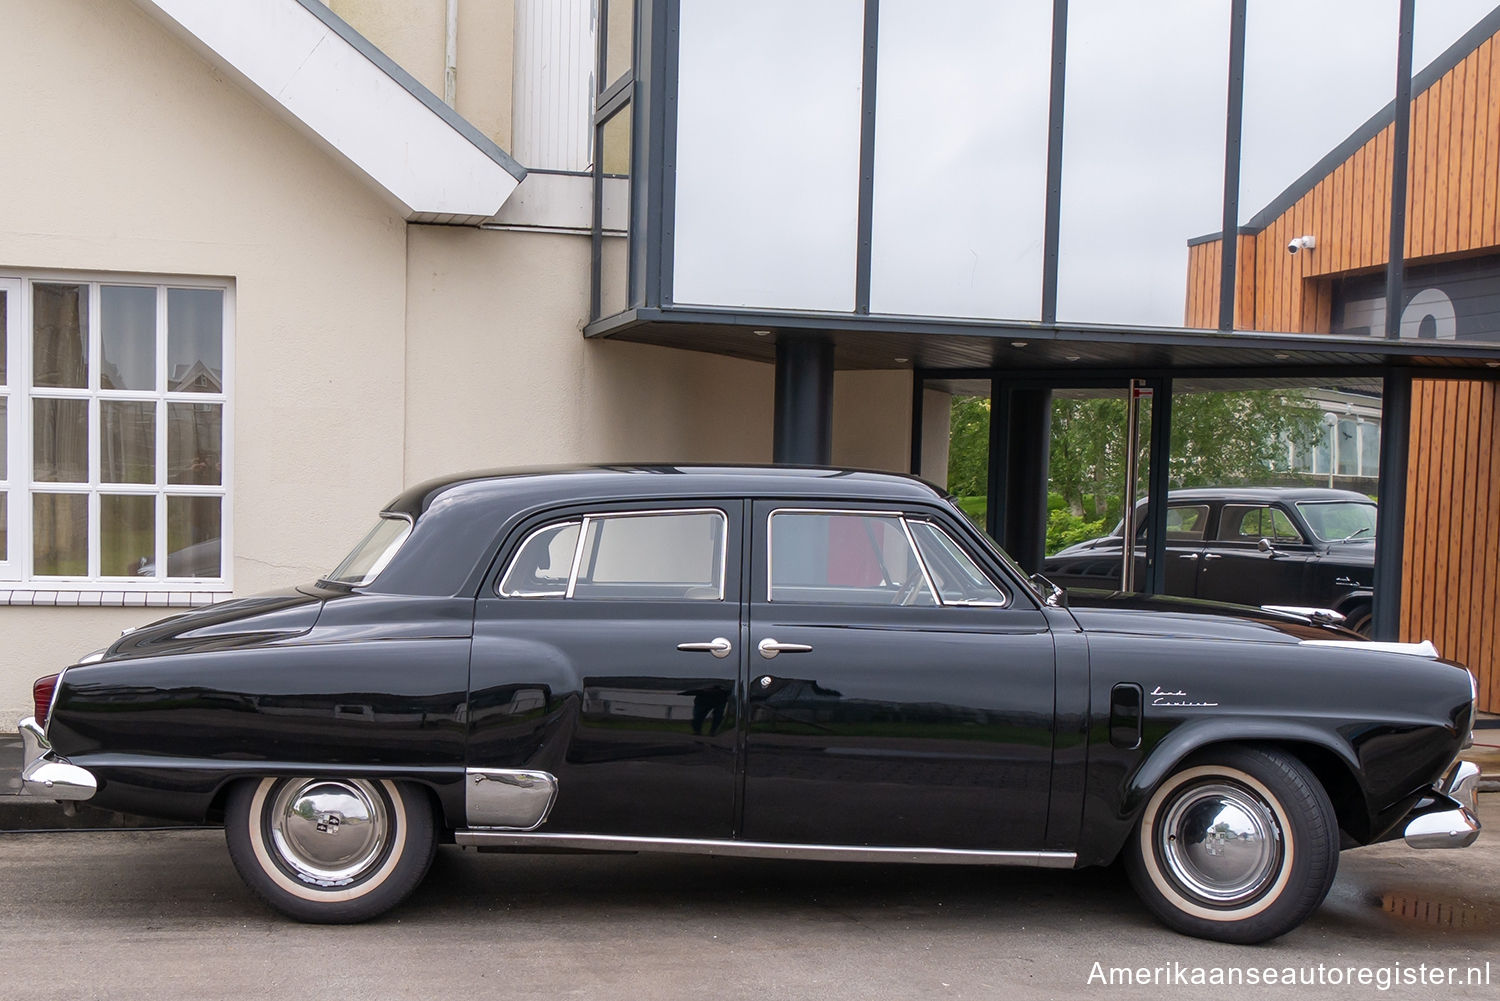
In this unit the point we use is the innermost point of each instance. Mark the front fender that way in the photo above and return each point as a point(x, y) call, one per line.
point(1115, 804)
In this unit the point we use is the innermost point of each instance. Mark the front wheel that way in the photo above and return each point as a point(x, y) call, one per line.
point(330, 850)
point(1239, 845)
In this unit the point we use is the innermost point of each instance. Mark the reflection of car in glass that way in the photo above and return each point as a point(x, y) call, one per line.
point(1305, 546)
point(790, 663)
point(201, 559)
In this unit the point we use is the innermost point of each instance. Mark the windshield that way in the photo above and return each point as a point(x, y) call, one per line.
point(1339, 521)
point(364, 564)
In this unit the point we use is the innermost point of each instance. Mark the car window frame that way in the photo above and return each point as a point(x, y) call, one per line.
point(556, 518)
point(903, 516)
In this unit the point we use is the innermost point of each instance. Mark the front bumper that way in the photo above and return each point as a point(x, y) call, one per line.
point(44, 775)
point(1448, 816)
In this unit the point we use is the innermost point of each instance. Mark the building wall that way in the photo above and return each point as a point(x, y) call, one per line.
point(125, 152)
point(415, 34)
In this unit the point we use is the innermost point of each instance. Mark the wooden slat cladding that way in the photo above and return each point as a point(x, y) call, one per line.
point(1451, 208)
point(1453, 527)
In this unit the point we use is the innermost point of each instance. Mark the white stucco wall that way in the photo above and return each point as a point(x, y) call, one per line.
point(499, 373)
point(124, 152)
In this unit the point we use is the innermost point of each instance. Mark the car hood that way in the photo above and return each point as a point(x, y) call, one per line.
point(1158, 615)
point(275, 614)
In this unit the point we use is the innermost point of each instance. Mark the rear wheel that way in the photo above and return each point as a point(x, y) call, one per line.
point(1240, 845)
point(330, 850)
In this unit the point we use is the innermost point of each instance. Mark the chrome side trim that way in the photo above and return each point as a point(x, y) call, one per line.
point(511, 799)
point(45, 776)
point(1422, 649)
point(765, 849)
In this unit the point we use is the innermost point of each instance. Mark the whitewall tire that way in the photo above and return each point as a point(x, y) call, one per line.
point(330, 850)
point(1240, 844)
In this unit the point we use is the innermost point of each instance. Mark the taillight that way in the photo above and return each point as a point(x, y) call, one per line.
point(41, 698)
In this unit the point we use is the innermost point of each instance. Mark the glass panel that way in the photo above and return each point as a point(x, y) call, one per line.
point(768, 153)
point(4, 526)
point(127, 441)
point(957, 579)
point(60, 535)
point(1143, 158)
point(195, 435)
point(969, 454)
point(195, 340)
point(60, 344)
point(844, 559)
point(616, 151)
point(1369, 448)
point(1348, 447)
point(4, 439)
point(541, 568)
point(127, 327)
point(193, 529)
point(620, 39)
point(1341, 521)
point(4, 330)
point(653, 556)
point(127, 535)
point(374, 551)
point(60, 441)
point(1316, 172)
point(961, 158)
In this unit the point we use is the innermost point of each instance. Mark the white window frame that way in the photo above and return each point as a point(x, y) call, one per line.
point(18, 583)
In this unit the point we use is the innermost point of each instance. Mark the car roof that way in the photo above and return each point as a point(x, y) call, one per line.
point(1291, 494)
point(525, 487)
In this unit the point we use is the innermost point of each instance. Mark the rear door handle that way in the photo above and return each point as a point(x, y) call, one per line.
point(1190, 556)
point(1212, 556)
point(718, 646)
point(769, 648)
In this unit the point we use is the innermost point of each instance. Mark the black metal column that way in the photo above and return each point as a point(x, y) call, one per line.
point(1024, 480)
point(1157, 484)
point(1390, 521)
point(803, 430)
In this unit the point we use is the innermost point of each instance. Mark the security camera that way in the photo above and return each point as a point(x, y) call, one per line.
point(1301, 243)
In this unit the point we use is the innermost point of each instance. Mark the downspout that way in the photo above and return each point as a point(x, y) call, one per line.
point(450, 56)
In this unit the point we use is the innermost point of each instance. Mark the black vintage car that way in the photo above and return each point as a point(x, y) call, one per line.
point(1299, 546)
point(773, 663)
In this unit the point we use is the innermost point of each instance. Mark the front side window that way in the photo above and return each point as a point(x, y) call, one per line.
point(872, 558)
point(1251, 524)
point(650, 555)
point(113, 425)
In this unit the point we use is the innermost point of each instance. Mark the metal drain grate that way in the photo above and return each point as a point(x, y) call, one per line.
point(1442, 913)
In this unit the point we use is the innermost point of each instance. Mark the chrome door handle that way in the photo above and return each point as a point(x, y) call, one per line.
point(1212, 556)
point(769, 648)
point(1190, 556)
point(718, 646)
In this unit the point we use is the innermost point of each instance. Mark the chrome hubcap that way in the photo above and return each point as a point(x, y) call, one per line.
point(329, 832)
point(1221, 843)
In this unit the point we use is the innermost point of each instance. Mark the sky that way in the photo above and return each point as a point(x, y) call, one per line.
point(768, 143)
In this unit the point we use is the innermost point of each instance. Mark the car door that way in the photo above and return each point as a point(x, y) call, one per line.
point(892, 700)
point(1234, 569)
point(606, 654)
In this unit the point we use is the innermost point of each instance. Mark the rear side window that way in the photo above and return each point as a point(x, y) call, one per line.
point(651, 555)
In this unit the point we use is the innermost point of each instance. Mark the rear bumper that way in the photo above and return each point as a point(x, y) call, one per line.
point(44, 775)
point(1448, 816)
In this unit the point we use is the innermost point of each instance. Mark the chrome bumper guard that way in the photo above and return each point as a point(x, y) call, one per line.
point(44, 775)
point(1448, 817)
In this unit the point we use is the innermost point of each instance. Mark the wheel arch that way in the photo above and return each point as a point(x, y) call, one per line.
point(1331, 760)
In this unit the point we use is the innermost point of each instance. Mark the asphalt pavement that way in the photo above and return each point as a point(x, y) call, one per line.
point(153, 915)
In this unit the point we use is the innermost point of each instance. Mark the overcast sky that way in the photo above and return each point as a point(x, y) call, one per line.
point(768, 144)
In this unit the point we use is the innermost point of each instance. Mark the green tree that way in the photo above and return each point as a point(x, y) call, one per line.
point(968, 446)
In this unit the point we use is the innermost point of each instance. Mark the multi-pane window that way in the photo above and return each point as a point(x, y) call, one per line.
point(114, 409)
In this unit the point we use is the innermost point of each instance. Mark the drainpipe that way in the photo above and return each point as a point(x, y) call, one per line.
point(450, 56)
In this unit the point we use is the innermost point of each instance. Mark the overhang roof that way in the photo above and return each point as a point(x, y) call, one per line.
point(887, 342)
point(308, 66)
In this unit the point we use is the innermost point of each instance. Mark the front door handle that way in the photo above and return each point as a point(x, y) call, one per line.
point(769, 648)
point(1188, 556)
point(1212, 556)
point(718, 646)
